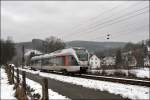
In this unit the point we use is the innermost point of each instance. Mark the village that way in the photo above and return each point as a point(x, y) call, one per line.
point(96, 63)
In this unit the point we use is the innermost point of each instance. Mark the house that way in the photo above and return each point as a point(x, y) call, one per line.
point(108, 61)
point(129, 59)
point(94, 62)
point(148, 49)
point(132, 61)
point(147, 61)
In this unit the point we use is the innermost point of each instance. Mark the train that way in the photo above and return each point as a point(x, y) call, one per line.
point(70, 60)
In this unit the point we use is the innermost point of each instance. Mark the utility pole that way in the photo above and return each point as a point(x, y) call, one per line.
point(22, 56)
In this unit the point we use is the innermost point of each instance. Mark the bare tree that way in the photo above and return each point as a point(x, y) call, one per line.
point(118, 58)
point(52, 44)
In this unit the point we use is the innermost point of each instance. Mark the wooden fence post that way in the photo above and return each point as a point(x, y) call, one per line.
point(24, 81)
point(45, 89)
point(10, 74)
point(18, 76)
point(13, 74)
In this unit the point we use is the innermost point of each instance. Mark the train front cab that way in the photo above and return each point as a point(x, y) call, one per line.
point(71, 64)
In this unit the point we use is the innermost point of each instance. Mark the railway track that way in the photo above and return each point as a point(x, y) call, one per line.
point(119, 80)
point(110, 79)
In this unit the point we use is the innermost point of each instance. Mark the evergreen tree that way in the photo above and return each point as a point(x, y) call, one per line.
point(118, 58)
point(7, 51)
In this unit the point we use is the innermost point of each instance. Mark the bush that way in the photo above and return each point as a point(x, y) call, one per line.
point(132, 75)
point(118, 73)
point(103, 72)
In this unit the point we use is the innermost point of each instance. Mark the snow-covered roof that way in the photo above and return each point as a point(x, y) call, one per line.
point(28, 52)
point(110, 58)
point(69, 51)
point(12, 65)
point(94, 56)
point(78, 47)
point(148, 48)
point(126, 53)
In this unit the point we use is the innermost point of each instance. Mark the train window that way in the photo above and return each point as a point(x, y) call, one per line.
point(32, 62)
point(83, 56)
point(45, 61)
point(60, 61)
point(72, 60)
point(36, 62)
point(51, 61)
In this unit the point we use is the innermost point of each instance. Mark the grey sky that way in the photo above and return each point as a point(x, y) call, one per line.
point(75, 20)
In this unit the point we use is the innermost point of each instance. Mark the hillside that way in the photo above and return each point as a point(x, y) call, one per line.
point(95, 46)
point(90, 45)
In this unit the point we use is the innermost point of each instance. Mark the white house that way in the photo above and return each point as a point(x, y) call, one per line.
point(146, 61)
point(132, 61)
point(94, 62)
point(148, 49)
point(129, 59)
point(109, 61)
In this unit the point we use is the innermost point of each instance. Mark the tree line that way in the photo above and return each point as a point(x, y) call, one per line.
point(48, 45)
point(139, 51)
point(7, 51)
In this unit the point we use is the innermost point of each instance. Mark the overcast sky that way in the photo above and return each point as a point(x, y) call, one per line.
point(75, 20)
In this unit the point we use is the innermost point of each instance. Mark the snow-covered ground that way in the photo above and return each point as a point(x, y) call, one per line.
point(141, 72)
point(125, 90)
point(38, 89)
point(7, 91)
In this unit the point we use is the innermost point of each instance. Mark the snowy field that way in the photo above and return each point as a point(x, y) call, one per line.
point(140, 73)
point(126, 91)
point(7, 91)
point(38, 89)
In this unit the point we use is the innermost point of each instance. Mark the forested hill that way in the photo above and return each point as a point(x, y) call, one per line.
point(90, 45)
point(96, 46)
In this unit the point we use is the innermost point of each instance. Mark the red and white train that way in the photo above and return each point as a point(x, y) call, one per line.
point(67, 60)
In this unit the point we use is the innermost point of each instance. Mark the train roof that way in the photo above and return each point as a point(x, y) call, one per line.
point(69, 51)
point(78, 47)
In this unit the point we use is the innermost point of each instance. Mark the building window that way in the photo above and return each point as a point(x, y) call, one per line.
point(91, 63)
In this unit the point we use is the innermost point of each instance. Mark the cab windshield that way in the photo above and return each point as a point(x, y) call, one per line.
point(83, 57)
point(82, 54)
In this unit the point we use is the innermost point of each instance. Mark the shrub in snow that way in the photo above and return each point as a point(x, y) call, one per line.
point(109, 72)
point(103, 72)
point(133, 75)
point(119, 73)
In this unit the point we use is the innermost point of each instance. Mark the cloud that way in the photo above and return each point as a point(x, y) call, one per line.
point(74, 20)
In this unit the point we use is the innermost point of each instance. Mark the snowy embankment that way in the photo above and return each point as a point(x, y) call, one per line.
point(125, 90)
point(7, 91)
point(140, 73)
point(38, 89)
